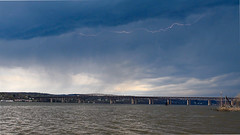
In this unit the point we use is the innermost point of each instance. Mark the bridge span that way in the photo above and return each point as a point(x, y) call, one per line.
point(114, 99)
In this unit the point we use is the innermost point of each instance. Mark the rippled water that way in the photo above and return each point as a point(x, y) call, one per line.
point(66, 118)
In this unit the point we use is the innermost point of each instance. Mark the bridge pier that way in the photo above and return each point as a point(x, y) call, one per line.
point(149, 101)
point(188, 102)
point(132, 100)
point(111, 101)
point(135, 101)
point(169, 102)
point(62, 100)
point(209, 103)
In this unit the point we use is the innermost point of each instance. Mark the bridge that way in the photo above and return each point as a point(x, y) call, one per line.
point(113, 99)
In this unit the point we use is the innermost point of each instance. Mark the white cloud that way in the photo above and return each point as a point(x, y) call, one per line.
point(181, 86)
point(30, 79)
point(38, 79)
point(84, 79)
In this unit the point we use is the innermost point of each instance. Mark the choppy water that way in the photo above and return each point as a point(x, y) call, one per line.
point(66, 118)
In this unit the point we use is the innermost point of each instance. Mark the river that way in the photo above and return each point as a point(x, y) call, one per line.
point(73, 118)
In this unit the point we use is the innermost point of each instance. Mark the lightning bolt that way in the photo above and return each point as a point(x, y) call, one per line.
point(162, 29)
point(173, 25)
point(167, 28)
point(122, 32)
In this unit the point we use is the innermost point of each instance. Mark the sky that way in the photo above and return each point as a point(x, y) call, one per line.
point(122, 47)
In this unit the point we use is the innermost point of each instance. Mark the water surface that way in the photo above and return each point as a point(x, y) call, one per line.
point(67, 118)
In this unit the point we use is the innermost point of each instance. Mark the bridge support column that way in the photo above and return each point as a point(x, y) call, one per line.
point(149, 101)
point(51, 100)
point(209, 103)
point(132, 101)
point(169, 102)
point(188, 102)
point(135, 101)
point(111, 101)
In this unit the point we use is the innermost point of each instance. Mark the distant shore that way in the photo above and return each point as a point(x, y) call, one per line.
point(110, 99)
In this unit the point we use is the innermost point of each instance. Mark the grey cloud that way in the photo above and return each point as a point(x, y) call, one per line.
point(204, 50)
point(24, 20)
point(195, 50)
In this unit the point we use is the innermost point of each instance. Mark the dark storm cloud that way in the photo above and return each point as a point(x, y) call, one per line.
point(24, 20)
point(201, 50)
point(106, 46)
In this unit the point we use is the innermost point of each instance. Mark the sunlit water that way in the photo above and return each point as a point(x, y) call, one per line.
point(66, 118)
